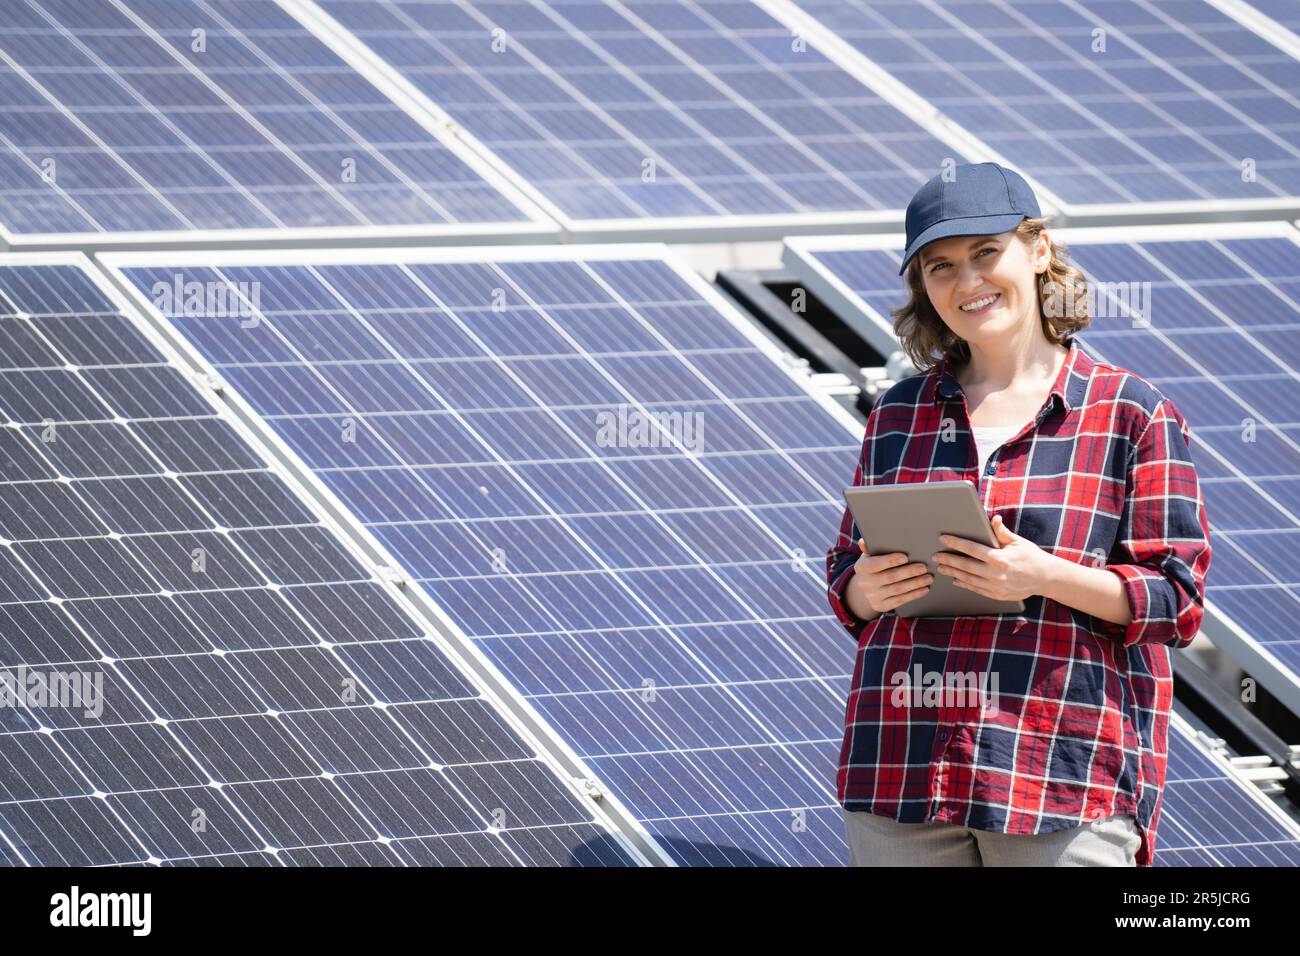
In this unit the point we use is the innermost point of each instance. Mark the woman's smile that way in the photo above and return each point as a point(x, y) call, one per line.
point(982, 304)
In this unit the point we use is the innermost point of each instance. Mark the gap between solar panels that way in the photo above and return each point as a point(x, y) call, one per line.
point(264, 674)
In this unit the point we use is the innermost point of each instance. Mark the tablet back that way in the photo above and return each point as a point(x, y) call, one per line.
point(909, 517)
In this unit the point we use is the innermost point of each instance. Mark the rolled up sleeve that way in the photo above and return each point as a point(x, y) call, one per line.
point(1164, 537)
point(843, 554)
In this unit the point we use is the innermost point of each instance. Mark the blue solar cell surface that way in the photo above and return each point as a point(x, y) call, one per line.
point(207, 114)
point(1208, 818)
point(1100, 101)
point(664, 610)
point(577, 96)
point(262, 699)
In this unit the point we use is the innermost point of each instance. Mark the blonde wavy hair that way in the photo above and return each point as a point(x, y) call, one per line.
point(1063, 306)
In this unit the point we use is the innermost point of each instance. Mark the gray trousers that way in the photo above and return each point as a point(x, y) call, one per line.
point(880, 841)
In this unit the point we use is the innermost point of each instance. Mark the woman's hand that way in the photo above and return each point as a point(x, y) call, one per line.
point(1015, 570)
point(887, 581)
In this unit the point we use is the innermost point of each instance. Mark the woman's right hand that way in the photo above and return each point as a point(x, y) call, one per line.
point(885, 581)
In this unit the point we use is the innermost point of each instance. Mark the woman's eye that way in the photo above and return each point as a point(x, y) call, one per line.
point(984, 250)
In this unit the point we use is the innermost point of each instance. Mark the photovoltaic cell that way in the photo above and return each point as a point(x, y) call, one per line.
point(264, 700)
point(1100, 102)
point(142, 115)
point(668, 108)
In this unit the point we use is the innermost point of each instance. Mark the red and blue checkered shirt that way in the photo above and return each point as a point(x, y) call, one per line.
point(1102, 476)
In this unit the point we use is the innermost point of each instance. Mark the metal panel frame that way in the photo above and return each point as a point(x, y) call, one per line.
point(1179, 725)
point(222, 406)
point(800, 258)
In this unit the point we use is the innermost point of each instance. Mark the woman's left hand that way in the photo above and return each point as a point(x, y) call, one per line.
point(1012, 572)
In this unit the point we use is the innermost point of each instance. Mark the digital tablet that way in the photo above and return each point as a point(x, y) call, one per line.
point(909, 517)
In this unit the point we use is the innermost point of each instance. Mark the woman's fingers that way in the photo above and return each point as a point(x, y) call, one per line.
point(905, 597)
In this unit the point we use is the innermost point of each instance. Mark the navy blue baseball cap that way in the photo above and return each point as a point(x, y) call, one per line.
point(980, 199)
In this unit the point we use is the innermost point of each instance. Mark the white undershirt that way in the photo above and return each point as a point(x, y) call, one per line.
point(989, 438)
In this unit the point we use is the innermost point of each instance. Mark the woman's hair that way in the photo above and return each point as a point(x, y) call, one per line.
point(1062, 306)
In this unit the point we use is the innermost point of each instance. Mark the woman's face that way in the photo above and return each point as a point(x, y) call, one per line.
point(983, 287)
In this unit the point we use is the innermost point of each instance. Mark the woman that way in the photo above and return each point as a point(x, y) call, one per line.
point(1086, 473)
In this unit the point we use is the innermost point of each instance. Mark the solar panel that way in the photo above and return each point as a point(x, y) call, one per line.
point(661, 606)
point(147, 116)
point(196, 670)
point(1211, 816)
point(658, 600)
point(667, 109)
point(1100, 102)
point(1221, 344)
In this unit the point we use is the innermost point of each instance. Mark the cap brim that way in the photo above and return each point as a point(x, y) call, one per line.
point(973, 226)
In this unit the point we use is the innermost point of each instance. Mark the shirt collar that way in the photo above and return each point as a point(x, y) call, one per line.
point(1070, 388)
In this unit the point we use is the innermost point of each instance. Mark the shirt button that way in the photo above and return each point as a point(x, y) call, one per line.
point(992, 467)
point(943, 735)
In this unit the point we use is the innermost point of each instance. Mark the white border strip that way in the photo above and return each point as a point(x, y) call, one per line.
point(457, 233)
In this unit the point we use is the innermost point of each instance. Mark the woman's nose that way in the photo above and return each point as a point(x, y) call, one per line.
point(969, 278)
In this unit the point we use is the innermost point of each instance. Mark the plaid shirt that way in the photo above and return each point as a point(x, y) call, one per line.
point(1102, 476)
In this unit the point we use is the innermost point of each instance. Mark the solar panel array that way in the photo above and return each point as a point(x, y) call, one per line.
point(652, 602)
point(662, 605)
point(668, 108)
point(263, 700)
point(143, 115)
point(598, 478)
point(1099, 101)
